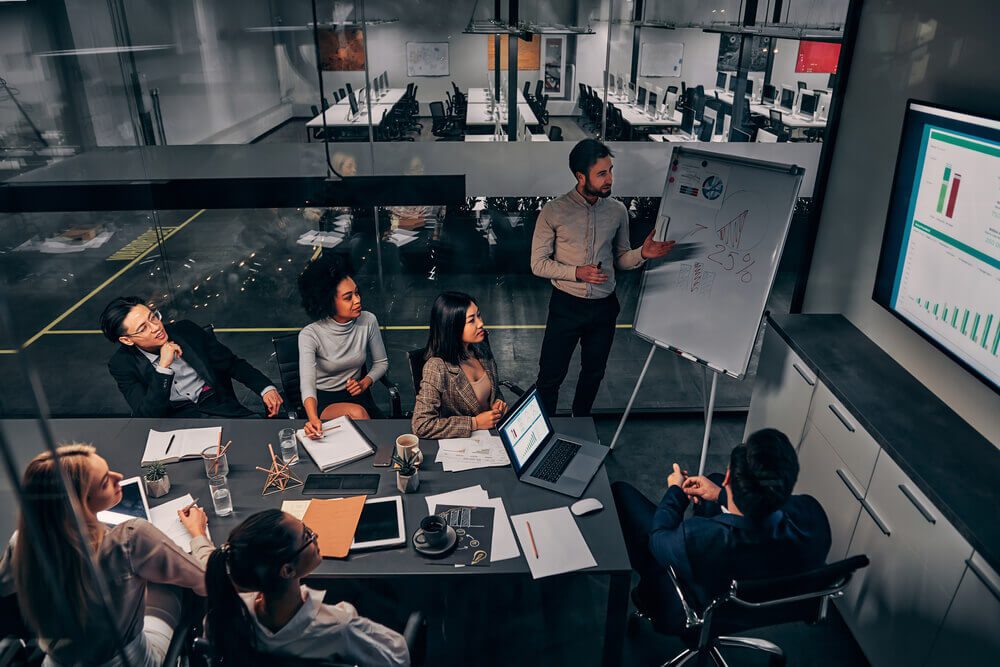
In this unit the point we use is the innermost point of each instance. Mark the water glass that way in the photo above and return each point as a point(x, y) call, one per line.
point(215, 465)
point(222, 501)
point(289, 446)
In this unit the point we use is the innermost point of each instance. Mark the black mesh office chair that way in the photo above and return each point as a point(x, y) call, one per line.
point(336, 97)
point(555, 133)
point(539, 89)
point(527, 90)
point(343, 93)
point(416, 359)
point(444, 126)
point(671, 89)
point(776, 125)
point(801, 84)
point(757, 603)
point(286, 352)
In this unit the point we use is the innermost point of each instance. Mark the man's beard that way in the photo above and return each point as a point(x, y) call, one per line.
point(591, 192)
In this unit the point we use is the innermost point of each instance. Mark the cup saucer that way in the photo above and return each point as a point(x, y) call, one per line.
point(436, 551)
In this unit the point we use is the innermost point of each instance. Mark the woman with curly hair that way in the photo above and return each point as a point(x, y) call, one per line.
point(340, 343)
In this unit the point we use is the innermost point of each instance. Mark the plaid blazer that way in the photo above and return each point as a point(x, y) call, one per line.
point(446, 402)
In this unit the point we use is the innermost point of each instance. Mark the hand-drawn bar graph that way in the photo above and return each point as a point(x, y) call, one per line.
point(981, 328)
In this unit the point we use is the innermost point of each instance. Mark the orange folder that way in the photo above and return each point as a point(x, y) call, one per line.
point(334, 522)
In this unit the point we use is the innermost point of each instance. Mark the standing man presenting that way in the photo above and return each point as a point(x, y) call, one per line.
point(580, 239)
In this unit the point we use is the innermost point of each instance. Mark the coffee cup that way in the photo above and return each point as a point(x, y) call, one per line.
point(408, 448)
point(434, 532)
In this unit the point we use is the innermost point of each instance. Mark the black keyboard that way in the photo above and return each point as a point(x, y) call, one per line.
point(552, 466)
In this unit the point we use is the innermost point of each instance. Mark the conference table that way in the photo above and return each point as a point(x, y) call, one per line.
point(121, 442)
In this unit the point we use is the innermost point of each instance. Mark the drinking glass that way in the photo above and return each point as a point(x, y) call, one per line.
point(289, 446)
point(221, 498)
point(215, 465)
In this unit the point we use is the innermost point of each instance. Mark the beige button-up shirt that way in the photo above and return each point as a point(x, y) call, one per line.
point(571, 233)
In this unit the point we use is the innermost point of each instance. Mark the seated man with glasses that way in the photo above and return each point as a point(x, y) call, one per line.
point(177, 369)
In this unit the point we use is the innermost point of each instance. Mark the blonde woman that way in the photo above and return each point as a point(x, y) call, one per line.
point(142, 568)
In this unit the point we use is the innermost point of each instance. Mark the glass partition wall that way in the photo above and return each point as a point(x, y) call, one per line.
point(392, 101)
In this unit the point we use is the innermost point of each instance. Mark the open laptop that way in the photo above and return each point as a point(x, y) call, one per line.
point(542, 457)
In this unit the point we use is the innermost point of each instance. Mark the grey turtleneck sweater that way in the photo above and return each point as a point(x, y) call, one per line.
point(331, 353)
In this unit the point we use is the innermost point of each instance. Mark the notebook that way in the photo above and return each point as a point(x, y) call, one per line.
point(188, 443)
point(165, 518)
point(341, 443)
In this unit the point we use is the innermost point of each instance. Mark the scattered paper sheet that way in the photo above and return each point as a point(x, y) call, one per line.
point(481, 450)
point(334, 521)
point(165, 518)
point(553, 544)
point(296, 508)
point(504, 544)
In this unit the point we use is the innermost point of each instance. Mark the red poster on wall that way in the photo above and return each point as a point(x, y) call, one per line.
point(818, 57)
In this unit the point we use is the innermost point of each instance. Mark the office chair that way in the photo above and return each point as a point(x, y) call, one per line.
point(527, 90)
point(336, 97)
point(286, 352)
point(539, 89)
point(443, 126)
point(672, 89)
point(756, 603)
point(416, 359)
point(326, 104)
point(776, 125)
point(342, 93)
point(415, 635)
point(555, 133)
point(801, 84)
point(542, 113)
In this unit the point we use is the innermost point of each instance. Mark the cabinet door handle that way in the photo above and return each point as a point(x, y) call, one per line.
point(876, 518)
point(811, 383)
point(983, 577)
point(842, 418)
point(916, 503)
point(849, 483)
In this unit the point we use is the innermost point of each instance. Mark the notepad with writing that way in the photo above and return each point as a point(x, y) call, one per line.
point(552, 542)
point(165, 518)
point(341, 443)
point(184, 443)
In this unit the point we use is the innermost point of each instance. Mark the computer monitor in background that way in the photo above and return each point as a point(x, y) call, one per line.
point(807, 104)
point(787, 98)
point(706, 129)
point(768, 93)
point(738, 136)
point(732, 83)
point(750, 87)
point(631, 91)
point(640, 99)
point(353, 100)
point(652, 103)
point(687, 121)
point(670, 106)
point(765, 137)
point(377, 85)
point(720, 80)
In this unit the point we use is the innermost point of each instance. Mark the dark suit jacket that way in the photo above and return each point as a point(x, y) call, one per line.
point(708, 552)
point(148, 392)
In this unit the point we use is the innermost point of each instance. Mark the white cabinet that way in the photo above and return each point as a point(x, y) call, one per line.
point(971, 631)
point(896, 605)
point(782, 390)
point(825, 477)
point(852, 443)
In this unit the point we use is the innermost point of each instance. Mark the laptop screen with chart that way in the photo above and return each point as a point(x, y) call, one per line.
point(526, 430)
point(939, 270)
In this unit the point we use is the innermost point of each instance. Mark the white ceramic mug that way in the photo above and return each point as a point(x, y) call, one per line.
point(408, 447)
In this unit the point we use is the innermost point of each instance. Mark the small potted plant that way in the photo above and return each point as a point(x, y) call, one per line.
point(157, 480)
point(407, 480)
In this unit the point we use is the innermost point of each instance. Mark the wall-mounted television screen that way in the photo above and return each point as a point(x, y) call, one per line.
point(817, 57)
point(939, 270)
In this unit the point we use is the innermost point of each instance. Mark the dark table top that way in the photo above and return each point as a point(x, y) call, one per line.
point(121, 442)
point(952, 464)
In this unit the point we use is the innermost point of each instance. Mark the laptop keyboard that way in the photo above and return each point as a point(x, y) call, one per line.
point(555, 462)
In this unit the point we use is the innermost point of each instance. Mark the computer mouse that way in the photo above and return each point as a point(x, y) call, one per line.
point(586, 506)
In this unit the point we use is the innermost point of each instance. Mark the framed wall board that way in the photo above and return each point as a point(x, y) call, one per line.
point(664, 59)
point(342, 50)
point(729, 53)
point(427, 59)
point(554, 65)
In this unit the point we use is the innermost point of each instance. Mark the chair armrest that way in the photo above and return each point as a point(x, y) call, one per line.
point(415, 634)
point(834, 591)
point(513, 387)
point(394, 400)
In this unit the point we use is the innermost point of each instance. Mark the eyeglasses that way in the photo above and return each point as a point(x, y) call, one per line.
point(310, 538)
point(154, 317)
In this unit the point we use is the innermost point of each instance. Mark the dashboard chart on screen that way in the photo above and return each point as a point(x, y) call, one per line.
point(940, 264)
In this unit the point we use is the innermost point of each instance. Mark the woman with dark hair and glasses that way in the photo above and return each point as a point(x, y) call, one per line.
point(258, 605)
point(337, 347)
point(459, 390)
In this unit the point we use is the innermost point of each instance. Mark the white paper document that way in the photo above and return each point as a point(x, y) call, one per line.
point(341, 443)
point(481, 450)
point(187, 443)
point(165, 518)
point(504, 544)
point(296, 508)
point(553, 544)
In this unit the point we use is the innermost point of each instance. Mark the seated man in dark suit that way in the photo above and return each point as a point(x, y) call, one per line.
point(177, 369)
point(745, 525)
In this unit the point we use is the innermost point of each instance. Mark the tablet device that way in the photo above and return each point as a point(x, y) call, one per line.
point(133, 504)
point(381, 524)
point(328, 484)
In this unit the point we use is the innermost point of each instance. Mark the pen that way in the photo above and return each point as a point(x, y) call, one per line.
point(193, 503)
point(532, 536)
point(330, 428)
point(170, 443)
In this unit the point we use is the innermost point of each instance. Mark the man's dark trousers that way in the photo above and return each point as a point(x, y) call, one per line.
point(572, 320)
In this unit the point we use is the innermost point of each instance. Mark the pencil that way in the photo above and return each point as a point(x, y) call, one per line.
point(532, 536)
point(169, 444)
point(193, 503)
point(330, 428)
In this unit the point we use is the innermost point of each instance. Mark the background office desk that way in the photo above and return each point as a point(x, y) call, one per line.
point(480, 96)
point(540, 136)
point(479, 114)
point(121, 442)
